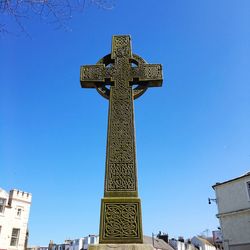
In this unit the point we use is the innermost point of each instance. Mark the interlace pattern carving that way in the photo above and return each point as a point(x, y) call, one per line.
point(121, 165)
point(96, 75)
point(121, 220)
point(121, 177)
point(147, 72)
point(121, 46)
point(93, 72)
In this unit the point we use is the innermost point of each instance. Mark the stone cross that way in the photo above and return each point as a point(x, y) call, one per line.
point(128, 77)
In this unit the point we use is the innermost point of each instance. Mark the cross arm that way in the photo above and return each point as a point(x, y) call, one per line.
point(149, 73)
point(93, 76)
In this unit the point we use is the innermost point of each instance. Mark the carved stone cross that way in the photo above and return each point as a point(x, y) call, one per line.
point(121, 208)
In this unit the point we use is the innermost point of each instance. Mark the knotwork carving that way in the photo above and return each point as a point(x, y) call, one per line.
point(121, 220)
point(93, 73)
point(136, 60)
point(121, 168)
point(121, 47)
point(147, 72)
point(121, 177)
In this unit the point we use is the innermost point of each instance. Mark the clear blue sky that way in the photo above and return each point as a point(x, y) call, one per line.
point(191, 133)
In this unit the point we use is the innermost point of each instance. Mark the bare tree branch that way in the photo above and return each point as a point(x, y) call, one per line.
point(56, 12)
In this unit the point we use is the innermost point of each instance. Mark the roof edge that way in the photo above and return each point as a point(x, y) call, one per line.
point(234, 179)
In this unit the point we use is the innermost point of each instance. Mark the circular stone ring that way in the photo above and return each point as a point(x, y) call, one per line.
point(135, 61)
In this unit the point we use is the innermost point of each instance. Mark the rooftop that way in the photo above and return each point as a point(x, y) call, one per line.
point(157, 243)
point(237, 178)
point(205, 241)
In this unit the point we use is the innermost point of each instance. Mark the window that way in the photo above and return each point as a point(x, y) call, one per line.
point(14, 236)
point(248, 189)
point(92, 240)
point(2, 204)
point(19, 211)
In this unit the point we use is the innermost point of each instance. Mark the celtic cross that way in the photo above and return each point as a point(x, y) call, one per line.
point(128, 77)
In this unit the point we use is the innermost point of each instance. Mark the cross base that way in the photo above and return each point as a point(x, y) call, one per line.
point(121, 247)
point(120, 220)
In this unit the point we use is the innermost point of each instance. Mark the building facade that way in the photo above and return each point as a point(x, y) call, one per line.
point(37, 248)
point(90, 240)
point(14, 216)
point(233, 202)
point(76, 244)
point(177, 245)
point(180, 244)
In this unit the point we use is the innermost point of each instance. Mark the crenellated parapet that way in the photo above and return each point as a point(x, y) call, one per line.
point(18, 195)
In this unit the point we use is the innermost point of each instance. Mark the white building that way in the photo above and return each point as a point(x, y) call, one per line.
point(181, 245)
point(177, 245)
point(233, 201)
point(202, 244)
point(77, 244)
point(83, 243)
point(37, 248)
point(14, 216)
point(90, 240)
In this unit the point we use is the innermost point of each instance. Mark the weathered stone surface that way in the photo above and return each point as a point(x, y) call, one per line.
point(121, 220)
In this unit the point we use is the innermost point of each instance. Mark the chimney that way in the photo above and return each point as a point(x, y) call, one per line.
point(163, 236)
point(181, 239)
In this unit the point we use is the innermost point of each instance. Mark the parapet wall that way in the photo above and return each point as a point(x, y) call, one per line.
point(19, 195)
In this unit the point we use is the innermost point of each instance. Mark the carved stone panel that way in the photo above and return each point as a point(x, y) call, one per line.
point(121, 47)
point(121, 220)
point(121, 175)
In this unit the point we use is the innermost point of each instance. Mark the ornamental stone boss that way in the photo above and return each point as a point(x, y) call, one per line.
point(129, 76)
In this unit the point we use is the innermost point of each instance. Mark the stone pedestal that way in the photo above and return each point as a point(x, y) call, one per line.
point(121, 247)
